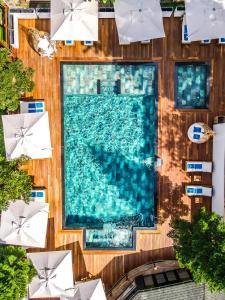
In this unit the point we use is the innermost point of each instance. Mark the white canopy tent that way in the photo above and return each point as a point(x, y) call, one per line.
point(27, 134)
point(54, 274)
point(74, 20)
point(90, 290)
point(24, 224)
point(218, 173)
point(138, 20)
point(205, 19)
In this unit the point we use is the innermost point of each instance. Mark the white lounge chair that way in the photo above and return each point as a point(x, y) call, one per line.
point(185, 37)
point(32, 106)
point(198, 166)
point(146, 42)
point(206, 41)
point(38, 195)
point(198, 190)
point(167, 11)
point(88, 43)
point(124, 43)
point(179, 11)
point(222, 41)
point(69, 42)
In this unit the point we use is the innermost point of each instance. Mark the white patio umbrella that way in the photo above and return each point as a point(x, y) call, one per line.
point(24, 224)
point(54, 274)
point(138, 20)
point(205, 19)
point(74, 20)
point(27, 134)
point(90, 290)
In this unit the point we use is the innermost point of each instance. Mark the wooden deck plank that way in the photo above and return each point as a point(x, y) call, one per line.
point(173, 145)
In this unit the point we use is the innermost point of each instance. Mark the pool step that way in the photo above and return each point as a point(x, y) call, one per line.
point(108, 87)
point(109, 237)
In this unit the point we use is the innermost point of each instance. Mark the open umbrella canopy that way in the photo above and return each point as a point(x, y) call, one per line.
point(54, 274)
point(89, 290)
point(24, 224)
point(138, 20)
point(205, 19)
point(27, 134)
point(74, 20)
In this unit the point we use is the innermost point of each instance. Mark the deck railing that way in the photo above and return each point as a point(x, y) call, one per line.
point(151, 268)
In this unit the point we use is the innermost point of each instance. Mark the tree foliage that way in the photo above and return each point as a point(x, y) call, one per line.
point(107, 2)
point(200, 247)
point(16, 272)
point(14, 182)
point(15, 80)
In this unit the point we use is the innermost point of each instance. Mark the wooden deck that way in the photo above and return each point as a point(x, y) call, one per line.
point(173, 145)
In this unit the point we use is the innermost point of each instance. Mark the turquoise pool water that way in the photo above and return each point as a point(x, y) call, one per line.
point(191, 85)
point(109, 121)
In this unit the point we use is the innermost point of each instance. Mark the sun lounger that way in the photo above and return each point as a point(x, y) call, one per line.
point(198, 190)
point(185, 37)
point(146, 42)
point(179, 11)
point(88, 43)
point(167, 12)
point(222, 41)
point(205, 41)
point(38, 195)
point(198, 166)
point(124, 43)
point(32, 106)
point(69, 43)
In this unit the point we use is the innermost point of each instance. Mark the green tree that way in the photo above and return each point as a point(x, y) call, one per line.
point(108, 2)
point(14, 182)
point(15, 80)
point(200, 247)
point(16, 272)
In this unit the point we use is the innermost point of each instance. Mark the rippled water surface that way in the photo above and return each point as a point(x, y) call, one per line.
point(109, 120)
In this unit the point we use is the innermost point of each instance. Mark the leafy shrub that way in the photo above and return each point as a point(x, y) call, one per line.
point(15, 80)
point(200, 247)
point(14, 183)
point(16, 272)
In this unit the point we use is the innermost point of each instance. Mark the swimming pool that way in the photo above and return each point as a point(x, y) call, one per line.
point(192, 85)
point(109, 137)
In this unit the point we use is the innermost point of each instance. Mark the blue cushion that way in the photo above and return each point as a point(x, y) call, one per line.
point(191, 166)
point(40, 194)
point(31, 110)
point(222, 40)
point(190, 190)
point(39, 104)
point(199, 190)
point(198, 166)
point(196, 136)
point(185, 33)
point(39, 110)
point(33, 194)
point(197, 129)
point(31, 105)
